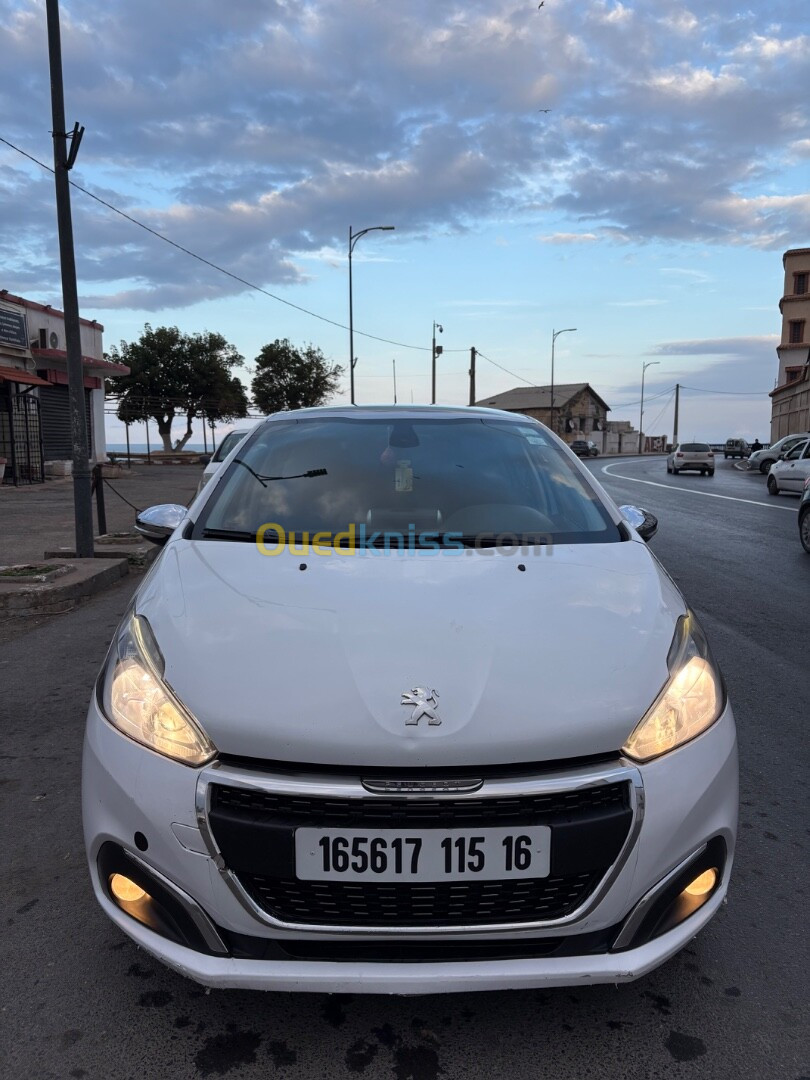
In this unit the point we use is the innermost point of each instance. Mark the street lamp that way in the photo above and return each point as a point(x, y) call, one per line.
point(641, 413)
point(353, 238)
point(434, 352)
point(554, 335)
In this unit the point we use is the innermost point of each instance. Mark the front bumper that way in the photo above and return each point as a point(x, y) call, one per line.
point(681, 801)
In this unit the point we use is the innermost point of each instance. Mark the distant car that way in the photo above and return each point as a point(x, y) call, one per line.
point(790, 473)
point(804, 517)
point(585, 448)
point(691, 455)
point(763, 459)
point(736, 448)
point(229, 442)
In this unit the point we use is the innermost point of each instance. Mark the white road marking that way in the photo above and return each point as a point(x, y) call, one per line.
point(691, 491)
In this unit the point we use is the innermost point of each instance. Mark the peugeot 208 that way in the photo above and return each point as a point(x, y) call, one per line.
point(406, 705)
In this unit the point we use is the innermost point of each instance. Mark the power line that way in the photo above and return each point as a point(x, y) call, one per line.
point(732, 393)
point(667, 403)
point(508, 372)
point(647, 397)
point(215, 266)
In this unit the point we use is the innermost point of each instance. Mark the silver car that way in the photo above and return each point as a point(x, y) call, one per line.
point(691, 455)
point(763, 459)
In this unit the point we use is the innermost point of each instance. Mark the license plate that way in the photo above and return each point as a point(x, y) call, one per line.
point(422, 855)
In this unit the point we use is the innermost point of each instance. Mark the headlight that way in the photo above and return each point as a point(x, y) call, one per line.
point(691, 701)
point(137, 701)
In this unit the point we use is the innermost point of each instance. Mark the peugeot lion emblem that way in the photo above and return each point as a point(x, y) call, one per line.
point(424, 703)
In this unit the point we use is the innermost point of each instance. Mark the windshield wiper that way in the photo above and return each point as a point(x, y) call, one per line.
point(264, 479)
point(239, 535)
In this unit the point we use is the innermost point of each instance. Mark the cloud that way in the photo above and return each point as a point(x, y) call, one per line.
point(569, 238)
point(256, 130)
point(752, 347)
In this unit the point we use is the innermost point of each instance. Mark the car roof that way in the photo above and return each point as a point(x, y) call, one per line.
point(401, 412)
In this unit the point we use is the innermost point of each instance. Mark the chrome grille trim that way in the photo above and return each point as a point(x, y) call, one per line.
point(420, 787)
point(330, 786)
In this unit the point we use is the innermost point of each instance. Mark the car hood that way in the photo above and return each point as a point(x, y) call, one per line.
point(555, 653)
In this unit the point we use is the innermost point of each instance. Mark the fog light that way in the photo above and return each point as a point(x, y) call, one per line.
point(703, 884)
point(125, 890)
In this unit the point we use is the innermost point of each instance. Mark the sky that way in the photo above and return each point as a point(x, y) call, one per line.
point(632, 170)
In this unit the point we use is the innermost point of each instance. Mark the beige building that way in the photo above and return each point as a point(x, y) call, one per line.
point(790, 408)
point(579, 412)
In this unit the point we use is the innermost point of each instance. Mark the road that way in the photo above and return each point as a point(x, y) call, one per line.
point(81, 1001)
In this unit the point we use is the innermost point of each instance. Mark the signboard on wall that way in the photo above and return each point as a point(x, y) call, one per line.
point(13, 328)
point(655, 444)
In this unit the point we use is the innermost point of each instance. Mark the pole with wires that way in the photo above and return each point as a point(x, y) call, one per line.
point(62, 164)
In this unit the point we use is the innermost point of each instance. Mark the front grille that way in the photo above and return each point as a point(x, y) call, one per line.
point(379, 812)
point(255, 829)
point(427, 904)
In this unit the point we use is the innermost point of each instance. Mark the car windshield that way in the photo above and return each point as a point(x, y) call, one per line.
point(452, 478)
point(232, 439)
point(696, 447)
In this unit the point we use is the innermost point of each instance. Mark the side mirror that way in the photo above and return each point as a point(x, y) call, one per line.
point(159, 522)
point(204, 459)
point(645, 523)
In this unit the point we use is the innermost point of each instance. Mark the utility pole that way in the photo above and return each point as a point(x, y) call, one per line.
point(394, 363)
point(435, 351)
point(62, 164)
point(677, 399)
point(472, 375)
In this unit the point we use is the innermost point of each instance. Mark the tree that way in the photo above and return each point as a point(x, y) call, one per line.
point(173, 374)
point(290, 378)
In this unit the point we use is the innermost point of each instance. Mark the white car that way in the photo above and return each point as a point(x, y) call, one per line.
point(229, 443)
point(790, 473)
point(763, 459)
point(692, 455)
point(406, 705)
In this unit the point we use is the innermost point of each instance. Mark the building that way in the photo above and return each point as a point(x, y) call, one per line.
point(35, 428)
point(579, 412)
point(790, 400)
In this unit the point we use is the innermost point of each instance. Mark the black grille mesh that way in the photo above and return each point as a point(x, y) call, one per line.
point(428, 904)
point(411, 811)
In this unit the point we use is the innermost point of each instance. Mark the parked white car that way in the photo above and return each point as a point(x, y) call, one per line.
point(763, 459)
point(229, 442)
point(692, 455)
point(406, 705)
point(790, 473)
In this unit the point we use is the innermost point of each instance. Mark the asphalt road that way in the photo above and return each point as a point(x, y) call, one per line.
point(80, 1000)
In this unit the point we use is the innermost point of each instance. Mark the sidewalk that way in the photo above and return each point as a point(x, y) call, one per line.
point(40, 517)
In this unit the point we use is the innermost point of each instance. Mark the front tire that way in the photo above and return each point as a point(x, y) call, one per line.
point(765, 467)
point(711, 472)
point(773, 487)
point(804, 529)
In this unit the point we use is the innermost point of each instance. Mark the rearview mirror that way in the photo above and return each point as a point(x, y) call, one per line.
point(645, 523)
point(159, 522)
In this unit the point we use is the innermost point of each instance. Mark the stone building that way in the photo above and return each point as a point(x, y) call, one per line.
point(35, 428)
point(790, 400)
point(579, 412)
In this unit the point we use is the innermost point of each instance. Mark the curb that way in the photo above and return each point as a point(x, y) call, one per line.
point(139, 556)
point(81, 578)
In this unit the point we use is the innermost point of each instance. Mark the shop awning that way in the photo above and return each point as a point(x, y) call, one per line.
point(12, 374)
